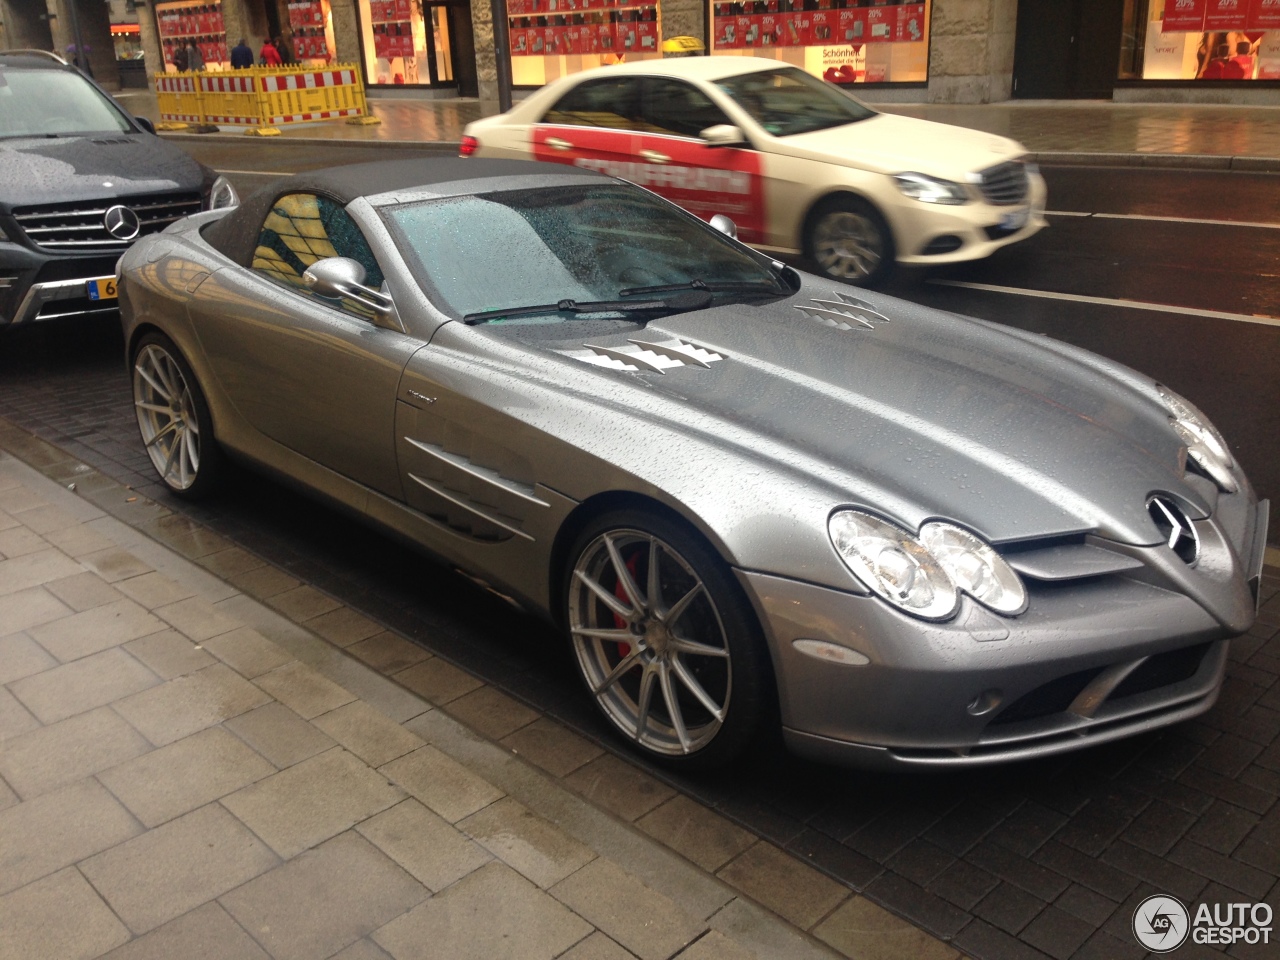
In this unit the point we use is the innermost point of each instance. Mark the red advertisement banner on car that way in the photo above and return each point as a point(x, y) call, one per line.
point(1184, 16)
point(1264, 15)
point(1226, 14)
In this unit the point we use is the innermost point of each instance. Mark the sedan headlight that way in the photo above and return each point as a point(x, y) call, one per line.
point(924, 575)
point(1205, 444)
point(223, 194)
point(931, 190)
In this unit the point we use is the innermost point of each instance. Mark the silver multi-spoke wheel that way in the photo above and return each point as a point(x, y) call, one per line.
point(848, 244)
point(167, 416)
point(650, 641)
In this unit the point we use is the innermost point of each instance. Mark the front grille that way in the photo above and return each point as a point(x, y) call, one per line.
point(1005, 183)
point(1047, 699)
point(78, 226)
point(1162, 670)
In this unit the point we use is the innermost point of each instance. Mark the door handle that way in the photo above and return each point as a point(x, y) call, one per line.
point(653, 156)
point(555, 143)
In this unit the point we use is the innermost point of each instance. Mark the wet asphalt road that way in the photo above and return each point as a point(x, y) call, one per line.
point(1032, 860)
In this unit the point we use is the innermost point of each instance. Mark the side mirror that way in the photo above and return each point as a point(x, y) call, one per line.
point(145, 124)
point(724, 225)
point(723, 135)
point(342, 277)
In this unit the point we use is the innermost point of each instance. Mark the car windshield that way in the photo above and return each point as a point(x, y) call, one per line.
point(51, 103)
point(612, 245)
point(787, 101)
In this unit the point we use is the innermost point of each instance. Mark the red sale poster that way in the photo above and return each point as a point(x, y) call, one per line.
point(796, 27)
point(821, 26)
point(910, 25)
point(1264, 15)
point(1184, 16)
point(851, 26)
point(1226, 15)
point(880, 24)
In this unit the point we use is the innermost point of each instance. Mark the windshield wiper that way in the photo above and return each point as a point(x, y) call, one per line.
point(713, 286)
point(691, 300)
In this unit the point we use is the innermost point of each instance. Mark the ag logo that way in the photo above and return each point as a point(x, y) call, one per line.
point(1161, 923)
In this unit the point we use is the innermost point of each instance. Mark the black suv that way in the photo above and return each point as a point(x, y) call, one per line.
point(80, 180)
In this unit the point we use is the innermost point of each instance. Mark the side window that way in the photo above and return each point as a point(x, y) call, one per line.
point(303, 228)
point(673, 107)
point(610, 102)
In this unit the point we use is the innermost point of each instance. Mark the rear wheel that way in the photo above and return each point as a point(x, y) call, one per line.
point(849, 240)
point(665, 639)
point(173, 419)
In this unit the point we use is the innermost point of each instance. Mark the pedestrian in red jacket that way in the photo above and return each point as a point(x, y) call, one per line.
point(270, 56)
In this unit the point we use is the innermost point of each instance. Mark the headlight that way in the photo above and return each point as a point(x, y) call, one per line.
point(975, 568)
point(1204, 443)
point(893, 564)
point(930, 189)
point(223, 194)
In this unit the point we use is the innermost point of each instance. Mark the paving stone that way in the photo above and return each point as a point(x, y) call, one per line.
point(298, 912)
point(197, 618)
point(15, 719)
point(82, 685)
point(46, 518)
point(388, 652)
point(247, 652)
point(83, 591)
point(370, 735)
point(443, 784)
point(95, 630)
point(263, 582)
point(20, 542)
point(552, 747)
point(917, 904)
point(79, 540)
point(782, 883)
point(1208, 863)
point(491, 913)
point(206, 933)
point(619, 787)
point(114, 564)
point(302, 603)
point(58, 917)
point(491, 712)
point(279, 734)
point(600, 947)
point(364, 949)
point(1009, 908)
point(859, 928)
point(1024, 873)
point(920, 861)
point(1159, 827)
point(835, 859)
point(696, 833)
point(437, 680)
point(435, 853)
point(29, 608)
point(153, 590)
point(1222, 827)
point(182, 776)
point(343, 626)
point(980, 939)
point(536, 848)
point(177, 866)
point(20, 656)
point(312, 801)
point(33, 569)
point(963, 884)
point(169, 654)
point(58, 829)
point(50, 757)
point(303, 690)
point(1082, 902)
point(180, 707)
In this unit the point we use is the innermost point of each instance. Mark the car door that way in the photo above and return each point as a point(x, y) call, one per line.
point(315, 375)
point(592, 126)
point(679, 165)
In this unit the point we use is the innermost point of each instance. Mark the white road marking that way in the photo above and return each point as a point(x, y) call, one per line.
point(1154, 219)
point(257, 173)
point(1107, 302)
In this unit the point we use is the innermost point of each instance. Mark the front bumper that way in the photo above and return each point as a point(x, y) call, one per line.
point(1089, 661)
point(37, 286)
point(923, 232)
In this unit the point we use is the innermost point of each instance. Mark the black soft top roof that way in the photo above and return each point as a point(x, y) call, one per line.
point(236, 234)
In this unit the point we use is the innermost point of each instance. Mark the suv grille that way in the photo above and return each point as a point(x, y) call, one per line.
point(1005, 183)
point(78, 226)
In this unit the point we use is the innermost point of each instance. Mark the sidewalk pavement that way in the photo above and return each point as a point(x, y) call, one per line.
point(1060, 131)
point(186, 771)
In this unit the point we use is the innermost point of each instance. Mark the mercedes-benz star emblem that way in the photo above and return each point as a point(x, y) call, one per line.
point(1179, 535)
point(121, 222)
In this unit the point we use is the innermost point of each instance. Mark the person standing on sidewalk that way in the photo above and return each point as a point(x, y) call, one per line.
point(241, 56)
point(269, 55)
point(195, 60)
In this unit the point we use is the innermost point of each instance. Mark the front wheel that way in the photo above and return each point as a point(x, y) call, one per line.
point(173, 419)
point(665, 639)
point(849, 240)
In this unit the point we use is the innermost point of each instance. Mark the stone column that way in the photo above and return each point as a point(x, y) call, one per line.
point(683, 18)
point(23, 27)
point(153, 54)
point(971, 50)
point(346, 30)
point(245, 19)
point(482, 30)
point(95, 30)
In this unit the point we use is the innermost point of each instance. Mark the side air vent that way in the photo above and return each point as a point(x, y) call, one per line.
point(843, 313)
point(643, 356)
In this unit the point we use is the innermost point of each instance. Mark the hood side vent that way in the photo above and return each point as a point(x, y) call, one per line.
point(643, 356)
point(843, 313)
point(109, 141)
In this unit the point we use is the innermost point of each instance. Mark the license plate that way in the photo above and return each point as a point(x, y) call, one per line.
point(102, 289)
point(1014, 221)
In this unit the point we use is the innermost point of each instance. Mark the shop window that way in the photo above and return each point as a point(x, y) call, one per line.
point(553, 38)
point(1207, 40)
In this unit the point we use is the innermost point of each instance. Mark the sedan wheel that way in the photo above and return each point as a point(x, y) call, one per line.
point(173, 418)
point(849, 241)
point(665, 641)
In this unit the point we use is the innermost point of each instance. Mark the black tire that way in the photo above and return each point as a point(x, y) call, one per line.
point(660, 642)
point(848, 240)
point(173, 419)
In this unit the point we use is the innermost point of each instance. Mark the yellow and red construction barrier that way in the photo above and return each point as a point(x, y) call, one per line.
point(261, 98)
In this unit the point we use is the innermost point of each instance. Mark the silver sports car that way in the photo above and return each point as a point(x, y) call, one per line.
point(747, 495)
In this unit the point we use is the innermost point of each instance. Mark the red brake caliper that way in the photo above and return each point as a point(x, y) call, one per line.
point(621, 594)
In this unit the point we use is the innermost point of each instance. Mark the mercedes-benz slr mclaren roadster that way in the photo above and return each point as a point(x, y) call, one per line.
point(747, 495)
